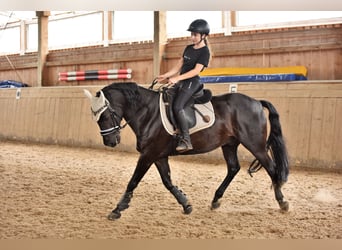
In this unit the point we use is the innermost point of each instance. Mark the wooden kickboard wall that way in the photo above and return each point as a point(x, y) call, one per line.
point(310, 114)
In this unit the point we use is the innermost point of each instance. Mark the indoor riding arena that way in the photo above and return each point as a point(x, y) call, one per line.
point(59, 181)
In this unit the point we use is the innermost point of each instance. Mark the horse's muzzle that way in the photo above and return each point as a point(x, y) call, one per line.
point(111, 140)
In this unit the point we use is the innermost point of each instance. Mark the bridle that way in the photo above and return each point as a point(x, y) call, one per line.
point(116, 119)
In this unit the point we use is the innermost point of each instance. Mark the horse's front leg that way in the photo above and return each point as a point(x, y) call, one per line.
point(165, 174)
point(138, 174)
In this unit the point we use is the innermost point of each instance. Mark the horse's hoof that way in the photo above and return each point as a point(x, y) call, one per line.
point(284, 206)
point(215, 205)
point(188, 209)
point(114, 215)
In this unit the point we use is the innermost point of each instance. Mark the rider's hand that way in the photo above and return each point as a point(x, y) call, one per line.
point(173, 80)
point(161, 78)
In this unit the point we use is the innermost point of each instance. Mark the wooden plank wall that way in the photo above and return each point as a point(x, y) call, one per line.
point(137, 56)
point(319, 48)
point(47, 115)
point(309, 114)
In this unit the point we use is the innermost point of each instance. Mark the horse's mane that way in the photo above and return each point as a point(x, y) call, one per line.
point(129, 89)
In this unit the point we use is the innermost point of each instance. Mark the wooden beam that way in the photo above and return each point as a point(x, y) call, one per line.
point(229, 22)
point(43, 50)
point(269, 50)
point(97, 61)
point(107, 27)
point(160, 39)
point(23, 37)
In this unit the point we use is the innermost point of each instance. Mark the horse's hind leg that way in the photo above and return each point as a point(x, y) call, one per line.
point(269, 166)
point(230, 155)
point(165, 174)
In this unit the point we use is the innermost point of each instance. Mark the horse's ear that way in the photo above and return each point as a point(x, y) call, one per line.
point(102, 99)
point(88, 94)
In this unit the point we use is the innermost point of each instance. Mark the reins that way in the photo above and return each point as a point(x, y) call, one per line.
point(154, 82)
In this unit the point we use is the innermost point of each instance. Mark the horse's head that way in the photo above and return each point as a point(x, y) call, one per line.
point(106, 117)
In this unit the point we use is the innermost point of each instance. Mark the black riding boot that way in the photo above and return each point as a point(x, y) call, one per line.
point(184, 143)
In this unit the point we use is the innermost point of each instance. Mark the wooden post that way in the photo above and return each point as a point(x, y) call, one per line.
point(23, 37)
point(229, 21)
point(43, 50)
point(107, 27)
point(160, 39)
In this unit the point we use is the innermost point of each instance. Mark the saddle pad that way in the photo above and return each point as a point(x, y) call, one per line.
point(206, 109)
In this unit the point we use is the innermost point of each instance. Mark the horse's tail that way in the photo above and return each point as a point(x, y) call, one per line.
point(276, 144)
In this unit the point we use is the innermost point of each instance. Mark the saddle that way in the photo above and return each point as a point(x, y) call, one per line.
point(199, 110)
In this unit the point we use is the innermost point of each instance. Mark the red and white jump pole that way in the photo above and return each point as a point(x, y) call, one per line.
point(95, 75)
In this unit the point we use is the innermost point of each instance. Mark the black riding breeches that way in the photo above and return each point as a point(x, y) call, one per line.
point(185, 89)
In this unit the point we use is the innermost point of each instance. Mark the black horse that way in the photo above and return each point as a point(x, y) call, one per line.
point(238, 119)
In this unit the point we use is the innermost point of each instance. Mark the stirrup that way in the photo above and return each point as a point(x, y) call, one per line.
point(183, 146)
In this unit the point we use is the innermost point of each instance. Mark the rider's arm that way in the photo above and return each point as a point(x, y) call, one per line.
point(191, 73)
point(173, 71)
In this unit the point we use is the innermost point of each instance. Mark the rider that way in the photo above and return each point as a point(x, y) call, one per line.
point(184, 76)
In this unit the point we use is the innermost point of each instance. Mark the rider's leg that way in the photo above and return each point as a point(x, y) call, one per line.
point(186, 90)
point(185, 141)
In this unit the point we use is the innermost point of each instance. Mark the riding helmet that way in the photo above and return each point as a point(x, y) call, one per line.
point(199, 26)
